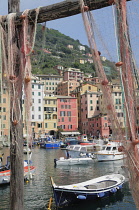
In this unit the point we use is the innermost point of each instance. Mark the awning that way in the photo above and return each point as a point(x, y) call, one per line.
point(70, 133)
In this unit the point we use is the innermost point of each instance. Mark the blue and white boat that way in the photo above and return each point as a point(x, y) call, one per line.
point(95, 188)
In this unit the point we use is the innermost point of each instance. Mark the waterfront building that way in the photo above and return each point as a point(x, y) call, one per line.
point(50, 83)
point(37, 116)
point(78, 92)
point(50, 114)
point(89, 108)
point(98, 126)
point(65, 88)
point(67, 113)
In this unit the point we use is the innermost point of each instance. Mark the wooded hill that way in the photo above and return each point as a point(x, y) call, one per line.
point(51, 50)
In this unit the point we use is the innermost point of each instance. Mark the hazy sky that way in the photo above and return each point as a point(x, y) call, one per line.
point(73, 26)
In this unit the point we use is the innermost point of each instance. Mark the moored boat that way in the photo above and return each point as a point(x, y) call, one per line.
point(95, 188)
point(5, 172)
point(73, 161)
point(110, 152)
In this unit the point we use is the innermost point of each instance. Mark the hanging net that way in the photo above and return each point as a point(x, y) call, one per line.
point(17, 44)
point(128, 75)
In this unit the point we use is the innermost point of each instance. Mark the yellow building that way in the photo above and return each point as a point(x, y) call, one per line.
point(50, 114)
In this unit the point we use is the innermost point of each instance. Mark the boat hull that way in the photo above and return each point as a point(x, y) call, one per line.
point(5, 175)
point(73, 161)
point(109, 157)
point(93, 189)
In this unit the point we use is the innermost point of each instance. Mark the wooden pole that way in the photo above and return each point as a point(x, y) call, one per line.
point(63, 9)
point(16, 136)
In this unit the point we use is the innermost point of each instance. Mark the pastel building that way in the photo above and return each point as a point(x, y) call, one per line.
point(73, 74)
point(98, 126)
point(37, 116)
point(50, 83)
point(67, 113)
point(65, 88)
point(89, 108)
point(84, 87)
point(50, 114)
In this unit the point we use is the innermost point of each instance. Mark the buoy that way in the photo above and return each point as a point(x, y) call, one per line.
point(104, 82)
point(111, 2)
point(120, 63)
point(120, 149)
point(27, 79)
point(15, 122)
point(109, 107)
point(22, 17)
point(12, 77)
point(86, 8)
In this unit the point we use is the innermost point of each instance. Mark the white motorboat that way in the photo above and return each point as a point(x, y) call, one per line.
point(95, 188)
point(110, 152)
point(73, 161)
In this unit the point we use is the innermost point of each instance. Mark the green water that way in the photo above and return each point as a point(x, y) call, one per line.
point(38, 191)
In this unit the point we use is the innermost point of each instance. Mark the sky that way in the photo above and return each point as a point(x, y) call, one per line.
point(73, 26)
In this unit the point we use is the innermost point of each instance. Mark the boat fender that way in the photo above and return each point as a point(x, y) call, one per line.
point(113, 190)
point(100, 195)
point(81, 197)
point(119, 187)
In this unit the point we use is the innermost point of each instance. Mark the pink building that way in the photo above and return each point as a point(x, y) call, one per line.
point(99, 126)
point(73, 74)
point(89, 108)
point(67, 113)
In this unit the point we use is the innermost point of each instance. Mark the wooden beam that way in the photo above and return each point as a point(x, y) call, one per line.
point(60, 10)
point(16, 134)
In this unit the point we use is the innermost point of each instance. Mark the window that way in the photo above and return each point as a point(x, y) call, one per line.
point(39, 108)
point(39, 101)
point(33, 100)
point(4, 109)
point(69, 126)
point(62, 113)
point(91, 107)
point(47, 116)
point(97, 107)
point(33, 93)
point(39, 87)
point(62, 119)
point(33, 123)
point(32, 86)
point(32, 117)
point(39, 125)
point(69, 119)
point(4, 100)
point(91, 101)
point(39, 117)
point(45, 125)
point(4, 117)
point(105, 125)
point(63, 126)
point(68, 113)
point(39, 93)
point(54, 125)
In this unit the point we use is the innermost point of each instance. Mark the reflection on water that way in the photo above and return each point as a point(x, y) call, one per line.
point(38, 191)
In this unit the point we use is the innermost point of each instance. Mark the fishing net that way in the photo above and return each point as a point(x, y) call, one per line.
point(17, 44)
point(128, 75)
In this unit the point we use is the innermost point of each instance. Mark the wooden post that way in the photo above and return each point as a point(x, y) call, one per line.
point(16, 137)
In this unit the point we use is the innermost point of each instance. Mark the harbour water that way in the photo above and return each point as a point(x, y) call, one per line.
point(38, 191)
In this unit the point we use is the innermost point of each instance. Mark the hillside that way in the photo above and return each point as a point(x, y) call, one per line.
point(51, 50)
